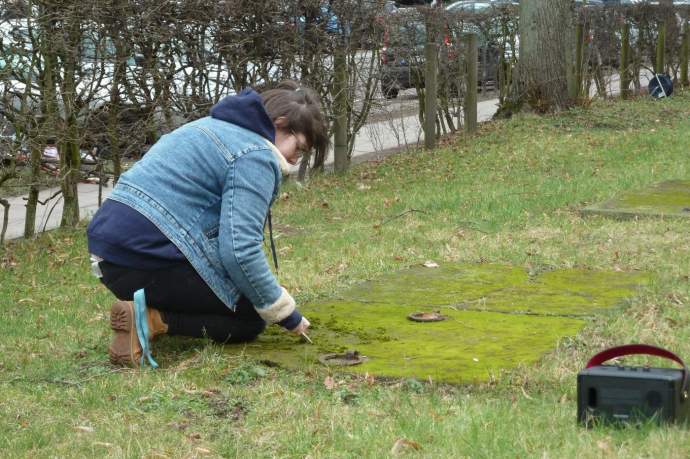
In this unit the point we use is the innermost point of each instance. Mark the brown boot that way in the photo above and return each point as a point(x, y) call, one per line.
point(124, 349)
point(155, 322)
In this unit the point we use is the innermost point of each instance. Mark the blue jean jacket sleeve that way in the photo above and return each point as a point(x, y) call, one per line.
point(247, 194)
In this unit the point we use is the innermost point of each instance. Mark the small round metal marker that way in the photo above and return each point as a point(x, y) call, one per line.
point(347, 358)
point(427, 316)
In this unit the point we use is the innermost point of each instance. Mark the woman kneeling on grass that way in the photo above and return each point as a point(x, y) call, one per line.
point(179, 241)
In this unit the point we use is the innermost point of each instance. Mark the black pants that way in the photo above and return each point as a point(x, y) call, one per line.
point(189, 307)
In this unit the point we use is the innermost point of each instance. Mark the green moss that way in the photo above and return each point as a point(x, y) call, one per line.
point(670, 198)
point(499, 288)
point(450, 284)
point(498, 317)
point(569, 292)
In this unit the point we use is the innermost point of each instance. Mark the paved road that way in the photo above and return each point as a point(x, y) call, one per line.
point(375, 139)
point(48, 215)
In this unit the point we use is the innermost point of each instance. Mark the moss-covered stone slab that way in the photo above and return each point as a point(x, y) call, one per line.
point(498, 317)
point(499, 288)
point(469, 347)
point(665, 199)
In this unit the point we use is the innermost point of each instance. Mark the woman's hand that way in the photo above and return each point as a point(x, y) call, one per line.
point(302, 327)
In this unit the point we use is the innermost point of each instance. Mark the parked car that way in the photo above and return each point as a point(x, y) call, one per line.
point(589, 3)
point(474, 6)
point(494, 39)
point(402, 53)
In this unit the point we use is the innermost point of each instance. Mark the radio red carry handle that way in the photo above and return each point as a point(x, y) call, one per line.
point(635, 349)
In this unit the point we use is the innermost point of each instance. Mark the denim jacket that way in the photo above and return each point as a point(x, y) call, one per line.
point(208, 187)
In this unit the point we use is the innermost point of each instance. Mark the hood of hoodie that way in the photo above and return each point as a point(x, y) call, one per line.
point(246, 110)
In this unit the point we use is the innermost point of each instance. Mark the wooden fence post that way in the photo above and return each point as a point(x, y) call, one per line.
point(660, 49)
point(32, 202)
point(685, 49)
point(5, 218)
point(340, 156)
point(579, 58)
point(471, 83)
point(625, 62)
point(430, 92)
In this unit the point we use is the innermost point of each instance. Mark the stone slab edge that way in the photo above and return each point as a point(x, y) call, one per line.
point(620, 214)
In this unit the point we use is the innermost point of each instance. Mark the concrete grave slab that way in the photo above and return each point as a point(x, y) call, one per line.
point(665, 199)
point(498, 317)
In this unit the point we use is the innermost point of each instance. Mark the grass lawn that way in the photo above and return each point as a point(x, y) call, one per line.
point(508, 195)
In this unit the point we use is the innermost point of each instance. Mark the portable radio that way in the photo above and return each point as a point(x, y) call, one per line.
point(610, 394)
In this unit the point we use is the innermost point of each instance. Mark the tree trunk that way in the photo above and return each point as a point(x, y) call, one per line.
point(546, 41)
point(70, 161)
point(70, 181)
point(115, 107)
point(42, 126)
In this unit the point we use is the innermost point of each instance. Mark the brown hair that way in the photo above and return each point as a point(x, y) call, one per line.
point(302, 109)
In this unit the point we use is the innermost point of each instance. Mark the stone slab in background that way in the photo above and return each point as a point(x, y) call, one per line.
point(665, 199)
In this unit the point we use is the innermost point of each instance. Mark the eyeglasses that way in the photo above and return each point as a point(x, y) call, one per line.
point(301, 148)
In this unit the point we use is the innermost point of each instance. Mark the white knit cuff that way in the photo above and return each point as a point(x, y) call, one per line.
point(279, 310)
